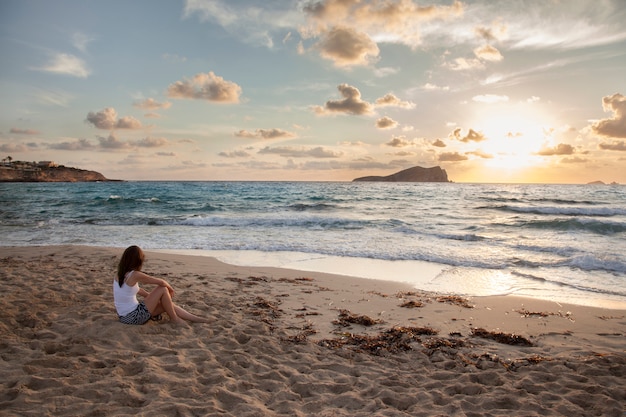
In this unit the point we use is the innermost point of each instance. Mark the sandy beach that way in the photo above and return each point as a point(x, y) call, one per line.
point(291, 343)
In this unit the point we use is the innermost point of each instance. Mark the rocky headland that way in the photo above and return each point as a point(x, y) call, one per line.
point(31, 172)
point(415, 174)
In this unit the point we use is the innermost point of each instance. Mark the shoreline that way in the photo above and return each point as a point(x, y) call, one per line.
point(284, 342)
point(420, 275)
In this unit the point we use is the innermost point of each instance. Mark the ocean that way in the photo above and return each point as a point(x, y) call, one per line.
point(565, 243)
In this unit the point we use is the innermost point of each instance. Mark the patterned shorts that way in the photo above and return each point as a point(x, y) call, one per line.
point(139, 315)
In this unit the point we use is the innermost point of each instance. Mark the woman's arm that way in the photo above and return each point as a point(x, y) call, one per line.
point(142, 278)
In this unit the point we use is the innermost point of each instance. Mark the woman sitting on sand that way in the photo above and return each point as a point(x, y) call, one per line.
point(159, 300)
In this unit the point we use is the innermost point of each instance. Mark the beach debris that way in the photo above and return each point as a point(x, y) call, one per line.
point(296, 280)
point(610, 317)
point(346, 318)
point(266, 310)
point(412, 304)
point(380, 294)
point(435, 343)
point(504, 338)
point(394, 340)
point(525, 313)
point(305, 312)
point(301, 337)
point(456, 300)
point(259, 279)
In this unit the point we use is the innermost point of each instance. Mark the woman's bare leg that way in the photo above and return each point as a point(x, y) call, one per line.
point(160, 300)
point(184, 314)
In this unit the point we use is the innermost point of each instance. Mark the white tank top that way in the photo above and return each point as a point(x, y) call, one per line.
point(125, 297)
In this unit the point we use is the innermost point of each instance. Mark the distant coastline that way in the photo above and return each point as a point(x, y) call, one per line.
point(46, 171)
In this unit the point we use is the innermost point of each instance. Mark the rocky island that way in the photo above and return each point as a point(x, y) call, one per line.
point(415, 174)
point(46, 171)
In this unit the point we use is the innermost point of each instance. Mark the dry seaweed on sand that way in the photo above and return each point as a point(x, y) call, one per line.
point(302, 280)
point(394, 340)
point(526, 313)
point(456, 300)
point(412, 304)
point(259, 279)
point(504, 338)
point(346, 318)
point(265, 307)
point(301, 337)
point(435, 343)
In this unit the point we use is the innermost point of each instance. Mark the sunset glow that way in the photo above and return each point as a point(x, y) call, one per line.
point(324, 90)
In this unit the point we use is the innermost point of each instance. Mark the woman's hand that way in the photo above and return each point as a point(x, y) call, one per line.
point(168, 286)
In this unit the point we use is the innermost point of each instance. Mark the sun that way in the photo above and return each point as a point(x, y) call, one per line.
point(513, 136)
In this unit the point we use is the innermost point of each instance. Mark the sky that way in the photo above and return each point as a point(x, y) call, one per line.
point(520, 91)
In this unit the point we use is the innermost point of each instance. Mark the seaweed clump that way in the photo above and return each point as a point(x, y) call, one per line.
point(395, 340)
point(456, 300)
point(346, 318)
point(266, 310)
point(504, 338)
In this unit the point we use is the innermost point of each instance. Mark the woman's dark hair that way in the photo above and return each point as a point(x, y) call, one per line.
point(132, 260)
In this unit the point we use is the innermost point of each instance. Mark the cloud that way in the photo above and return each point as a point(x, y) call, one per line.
point(66, 64)
point(206, 87)
point(349, 143)
point(251, 24)
point(615, 146)
point(80, 41)
point(13, 147)
point(393, 22)
point(386, 123)
point(292, 152)
point(351, 104)
point(399, 142)
point(77, 145)
point(614, 127)
point(347, 47)
point(385, 71)
point(52, 97)
point(481, 154)
point(112, 142)
point(560, 149)
point(472, 136)
point(434, 87)
point(404, 153)
point(574, 160)
point(234, 154)
point(17, 131)
point(152, 104)
point(488, 53)
point(107, 119)
point(391, 100)
point(174, 58)
point(490, 34)
point(464, 64)
point(452, 157)
point(490, 98)
point(265, 134)
point(439, 143)
point(151, 142)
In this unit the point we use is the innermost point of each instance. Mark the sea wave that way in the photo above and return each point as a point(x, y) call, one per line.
point(314, 222)
point(574, 286)
point(312, 207)
point(562, 211)
point(576, 224)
